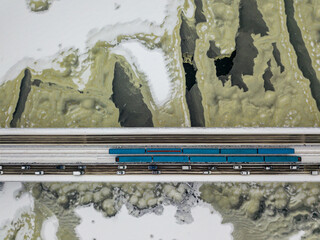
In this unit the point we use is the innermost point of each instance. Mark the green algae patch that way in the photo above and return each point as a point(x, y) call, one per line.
point(266, 210)
point(272, 91)
point(62, 199)
point(8, 99)
point(290, 105)
point(39, 5)
point(55, 100)
point(307, 15)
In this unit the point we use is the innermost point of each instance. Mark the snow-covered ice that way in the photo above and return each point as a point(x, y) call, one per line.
point(11, 207)
point(206, 226)
point(27, 36)
point(49, 228)
point(297, 236)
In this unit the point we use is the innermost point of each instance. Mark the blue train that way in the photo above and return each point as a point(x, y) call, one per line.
point(205, 155)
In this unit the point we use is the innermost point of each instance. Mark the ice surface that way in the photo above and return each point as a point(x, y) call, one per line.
point(27, 36)
point(49, 228)
point(297, 236)
point(206, 225)
point(11, 207)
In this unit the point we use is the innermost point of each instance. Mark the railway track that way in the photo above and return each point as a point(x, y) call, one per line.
point(162, 139)
point(142, 169)
point(44, 149)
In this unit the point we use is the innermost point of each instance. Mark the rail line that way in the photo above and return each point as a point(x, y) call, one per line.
point(161, 139)
point(42, 150)
point(109, 136)
point(142, 169)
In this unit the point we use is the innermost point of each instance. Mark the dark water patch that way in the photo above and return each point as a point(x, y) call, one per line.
point(303, 58)
point(246, 53)
point(224, 65)
point(316, 231)
point(129, 100)
point(190, 73)
point(194, 101)
point(268, 86)
point(251, 20)
point(244, 60)
point(213, 51)
point(199, 16)
point(241, 61)
point(52, 84)
point(315, 215)
point(284, 211)
point(193, 96)
point(300, 218)
point(25, 88)
point(259, 213)
point(276, 55)
point(188, 35)
point(36, 82)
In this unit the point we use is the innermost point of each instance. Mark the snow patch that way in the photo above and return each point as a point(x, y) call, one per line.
point(27, 36)
point(49, 228)
point(151, 226)
point(297, 236)
point(190, 10)
point(11, 207)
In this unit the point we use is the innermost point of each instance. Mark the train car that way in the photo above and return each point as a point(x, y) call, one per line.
point(174, 159)
point(134, 159)
point(205, 155)
point(239, 151)
point(163, 150)
point(275, 151)
point(127, 151)
point(201, 151)
point(208, 159)
point(281, 159)
point(245, 159)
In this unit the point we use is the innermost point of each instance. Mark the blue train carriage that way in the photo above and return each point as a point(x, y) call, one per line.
point(169, 151)
point(134, 159)
point(280, 151)
point(245, 159)
point(170, 159)
point(201, 151)
point(208, 159)
point(238, 151)
point(282, 159)
point(279, 155)
point(121, 151)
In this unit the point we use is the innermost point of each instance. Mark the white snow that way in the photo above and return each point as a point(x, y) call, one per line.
point(190, 11)
point(49, 228)
point(206, 225)
point(27, 36)
point(11, 208)
point(150, 62)
point(297, 236)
